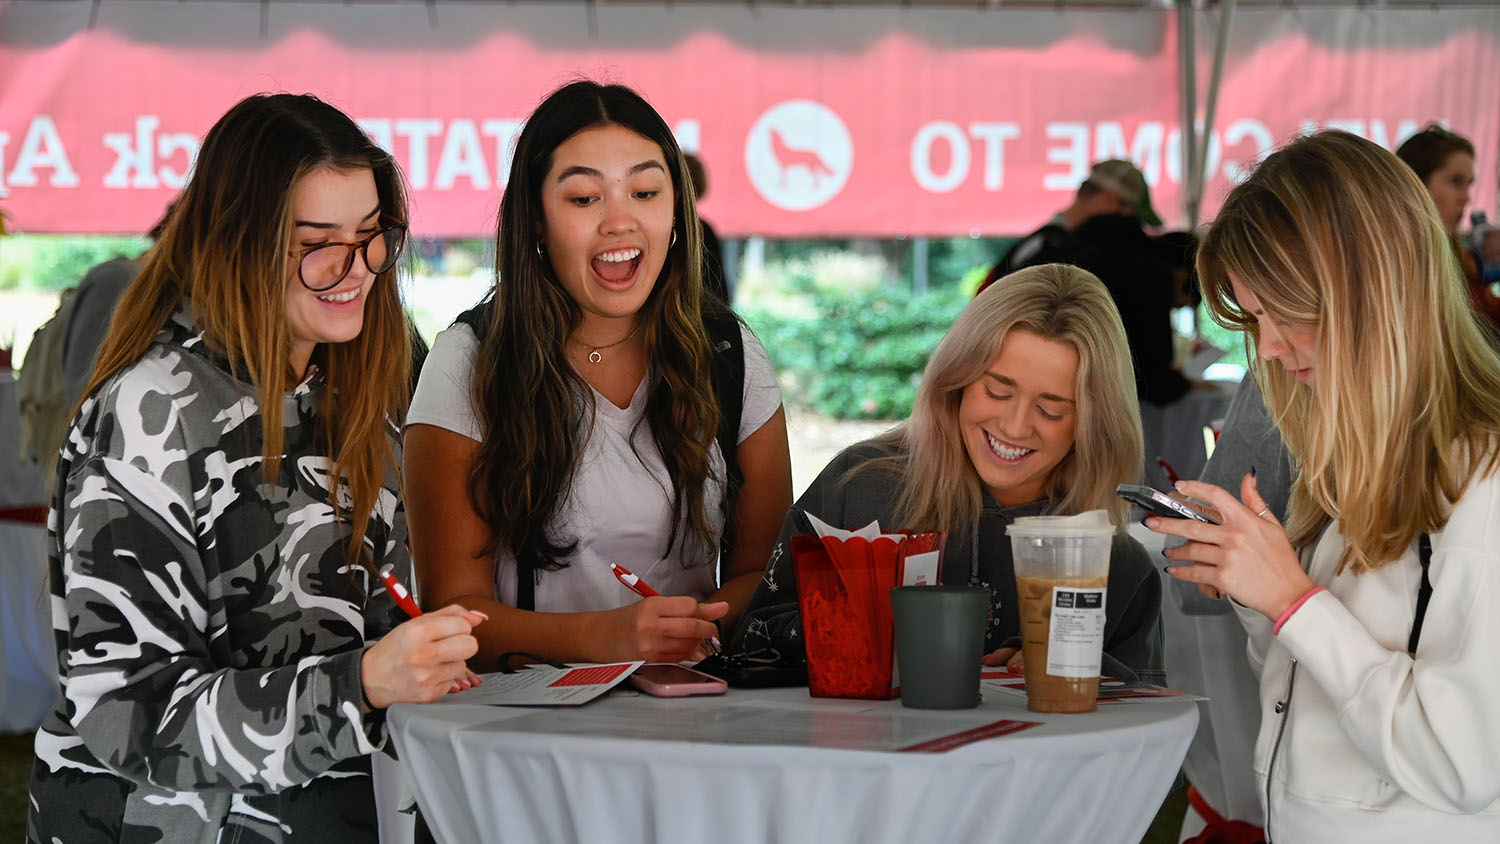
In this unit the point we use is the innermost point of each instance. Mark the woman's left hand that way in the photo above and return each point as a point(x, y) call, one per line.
point(1248, 556)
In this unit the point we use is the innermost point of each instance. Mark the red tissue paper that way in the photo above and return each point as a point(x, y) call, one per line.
point(843, 592)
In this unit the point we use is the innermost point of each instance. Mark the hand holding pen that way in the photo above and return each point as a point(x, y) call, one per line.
point(675, 612)
point(423, 658)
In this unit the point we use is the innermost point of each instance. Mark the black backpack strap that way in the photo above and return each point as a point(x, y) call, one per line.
point(728, 344)
point(478, 319)
point(1424, 592)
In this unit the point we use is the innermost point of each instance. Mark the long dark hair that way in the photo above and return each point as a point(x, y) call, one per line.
point(532, 402)
point(224, 247)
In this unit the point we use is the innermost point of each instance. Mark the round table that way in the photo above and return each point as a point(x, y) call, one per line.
point(776, 765)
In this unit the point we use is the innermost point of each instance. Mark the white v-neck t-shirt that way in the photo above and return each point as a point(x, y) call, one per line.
point(619, 508)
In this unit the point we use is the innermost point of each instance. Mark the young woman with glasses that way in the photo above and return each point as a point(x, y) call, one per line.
point(225, 501)
point(570, 422)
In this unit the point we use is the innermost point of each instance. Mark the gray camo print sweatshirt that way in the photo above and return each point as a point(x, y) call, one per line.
point(209, 632)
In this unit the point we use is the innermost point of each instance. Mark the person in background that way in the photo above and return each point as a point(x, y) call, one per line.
point(1112, 187)
point(93, 306)
point(569, 422)
point(715, 276)
point(227, 495)
point(1026, 408)
point(1369, 611)
point(1444, 161)
point(1115, 248)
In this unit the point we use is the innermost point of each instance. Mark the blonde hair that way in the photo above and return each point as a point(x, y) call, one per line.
point(1335, 231)
point(225, 248)
point(940, 487)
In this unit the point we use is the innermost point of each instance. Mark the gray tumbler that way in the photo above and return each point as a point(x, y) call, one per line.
point(939, 642)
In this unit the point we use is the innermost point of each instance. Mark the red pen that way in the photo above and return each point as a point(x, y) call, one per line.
point(642, 588)
point(399, 593)
point(635, 584)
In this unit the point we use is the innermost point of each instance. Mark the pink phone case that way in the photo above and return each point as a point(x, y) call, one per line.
point(667, 679)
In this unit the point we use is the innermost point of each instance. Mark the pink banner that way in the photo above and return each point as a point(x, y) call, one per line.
point(811, 123)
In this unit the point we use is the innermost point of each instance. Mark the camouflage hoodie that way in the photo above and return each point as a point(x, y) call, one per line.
point(209, 633)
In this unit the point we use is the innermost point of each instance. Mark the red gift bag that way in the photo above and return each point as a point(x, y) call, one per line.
point(843, 593)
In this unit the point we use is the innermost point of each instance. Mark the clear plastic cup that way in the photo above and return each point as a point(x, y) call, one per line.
point(1062, 572)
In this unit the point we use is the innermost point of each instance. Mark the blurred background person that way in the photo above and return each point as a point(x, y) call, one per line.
point(1444, 161)
point(1112, 187)
point(715, 276)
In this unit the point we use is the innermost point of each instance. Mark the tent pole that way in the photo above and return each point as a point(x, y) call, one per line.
point(1188, 95)
point(1221, 47)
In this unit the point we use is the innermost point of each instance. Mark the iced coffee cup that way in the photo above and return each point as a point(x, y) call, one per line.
point(1062, 570)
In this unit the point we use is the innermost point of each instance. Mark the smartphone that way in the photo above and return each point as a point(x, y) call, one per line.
point(1158, 503)
point(668, 679)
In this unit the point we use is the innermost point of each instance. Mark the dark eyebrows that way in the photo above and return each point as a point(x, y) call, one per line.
point(579, 170)
point(308, 224)
point(1011, 383)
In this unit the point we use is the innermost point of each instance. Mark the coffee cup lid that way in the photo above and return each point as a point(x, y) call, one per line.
point(1090, 523)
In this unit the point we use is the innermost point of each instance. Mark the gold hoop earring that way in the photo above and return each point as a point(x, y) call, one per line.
point(540, 252)
point(673, 242)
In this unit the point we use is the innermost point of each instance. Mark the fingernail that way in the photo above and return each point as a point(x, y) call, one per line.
point(1144, 523)
point(1164, 553)
point(1178, 486)
point(1252, 473)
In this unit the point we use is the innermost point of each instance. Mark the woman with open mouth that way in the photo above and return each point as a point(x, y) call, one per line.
point(596, 410)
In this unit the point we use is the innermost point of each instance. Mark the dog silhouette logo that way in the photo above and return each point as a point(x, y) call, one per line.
point(798, 155)
point(787, 158)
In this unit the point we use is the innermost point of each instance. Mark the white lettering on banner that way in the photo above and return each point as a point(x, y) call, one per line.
point(994, 136)
point(689, 135)
point(416, 132)
point(379, 130)
point(958, 157)
point(960, 154)
point(505, 133)
point(133, 156)
point(1145, 148)
point(1074, 154)
point(1174, 154)
point(1239, 131)
point(462, 157)
point(168, 146)
point(42, 147)
point(136, 157)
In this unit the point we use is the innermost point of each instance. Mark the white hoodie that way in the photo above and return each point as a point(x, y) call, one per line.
point(1378, 746)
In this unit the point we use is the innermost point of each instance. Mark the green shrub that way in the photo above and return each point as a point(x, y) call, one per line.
point(55, 262)
point(853, 353)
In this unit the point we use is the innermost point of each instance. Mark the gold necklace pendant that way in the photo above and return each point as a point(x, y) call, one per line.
point(595, 357)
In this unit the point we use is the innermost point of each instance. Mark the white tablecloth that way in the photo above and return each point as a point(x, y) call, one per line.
point(1205, 655)
point(511, 774)
point(28, 662)
point(1174, 432)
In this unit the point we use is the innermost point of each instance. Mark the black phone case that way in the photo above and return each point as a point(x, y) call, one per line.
point(1157, 508)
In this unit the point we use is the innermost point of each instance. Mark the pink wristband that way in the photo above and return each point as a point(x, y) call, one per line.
point(1296, 605)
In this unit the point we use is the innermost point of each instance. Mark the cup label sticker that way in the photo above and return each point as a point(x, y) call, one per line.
point(1076, 639)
